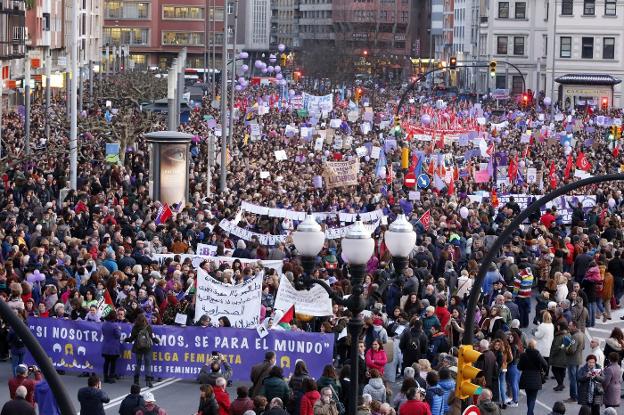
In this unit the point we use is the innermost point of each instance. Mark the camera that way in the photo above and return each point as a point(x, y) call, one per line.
point(215, 356)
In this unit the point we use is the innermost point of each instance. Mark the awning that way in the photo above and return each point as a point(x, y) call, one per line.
point(587, 79)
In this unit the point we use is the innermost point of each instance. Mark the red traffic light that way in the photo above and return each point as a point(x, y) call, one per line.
point(365, 52)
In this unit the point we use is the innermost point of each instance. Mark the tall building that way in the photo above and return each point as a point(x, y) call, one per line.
point(44, 26)
point(514, 34)
point(12, 37)
point(588, 52)
point(378, 31)
point(285, 23)
point(90, 20)
point(256, 15)
point(316, 26)
point(448, 23)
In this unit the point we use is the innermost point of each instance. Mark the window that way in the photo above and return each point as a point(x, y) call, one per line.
point(126, 10)
point(517, 84)
point(587, 50)
point(230, 8)
point(608, 48)
point(183, 12)
point(501, 45)
point(589, 7)
point(565, 47)
point(501, 82)
point(610, 7)
point(567, 7)
point(218, 14)
point(503, 10)
point(520, 12)
point(182, 38)
point(518, 45)
point(126, 36)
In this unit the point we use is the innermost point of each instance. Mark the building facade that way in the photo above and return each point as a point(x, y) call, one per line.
point(285, 16)
point(90, 34)
point(44, 31)
point(12, 37)
point(316, 25)
point(514, 34)
point(588, 41)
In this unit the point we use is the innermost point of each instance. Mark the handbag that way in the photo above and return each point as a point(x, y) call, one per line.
point(339, 405)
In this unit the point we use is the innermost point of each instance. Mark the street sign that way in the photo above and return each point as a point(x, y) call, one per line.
point(410, 180)
point(423, 181)
point(471, 410)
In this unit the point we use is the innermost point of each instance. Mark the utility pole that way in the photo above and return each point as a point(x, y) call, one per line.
point(233, 76)
point(73, 123)
point(214, 46)
point(181, 66)
point(171, 96)
point(27, 69)
point(224, 58)
point(206, 42)
point(1, 103)
point(48, 91)
point(80, 88)
point(210, 162)
point(554, 46)
point(91, 80)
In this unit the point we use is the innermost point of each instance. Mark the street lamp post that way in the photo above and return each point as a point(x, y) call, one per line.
point(357, 248)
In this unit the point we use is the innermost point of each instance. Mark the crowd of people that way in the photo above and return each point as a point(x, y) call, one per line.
point(60, 257)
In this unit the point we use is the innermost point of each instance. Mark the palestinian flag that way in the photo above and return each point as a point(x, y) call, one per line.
point(287, 318)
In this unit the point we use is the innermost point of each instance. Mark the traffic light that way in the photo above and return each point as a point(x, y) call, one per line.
point(613, 132)
point(297, 75)
point(525, 100)
point(604, 103)
point(492, 69)
point(397, 120)
point(283, 59)
point(466, 372)
point(365, 53)
point(618, 132)
point(453, 62)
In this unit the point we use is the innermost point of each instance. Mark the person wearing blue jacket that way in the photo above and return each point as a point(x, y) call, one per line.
point(92, 398)
point(448, 385)
point(435, 394)
point(45, 399)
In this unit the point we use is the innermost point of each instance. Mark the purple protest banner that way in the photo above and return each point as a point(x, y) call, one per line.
point(76, 346)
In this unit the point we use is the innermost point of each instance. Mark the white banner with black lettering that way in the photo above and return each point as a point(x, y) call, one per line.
point(239, 303)
point(313, 302)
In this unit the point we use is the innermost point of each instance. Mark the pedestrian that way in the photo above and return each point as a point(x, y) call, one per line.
point(574, 351)
point(111, 346)
point(22, 378)
point(558, 356)
point(415, 404)
point(142, 339)
point(531, 366)
point(309, 398)
point(486, 405)
point(375, 386)
point(544, 334)
point(615, 343)
point(222, 397)
point(296, 386)
point(590, 381)
point(376, 357)
point(488, 364)
point(260, 372)
point(208, 403)
point(326, 405)
point(92, 398)
point(132, 401)
point(218, 368)
point(18, 405)
point(150, 407)
point(46, 402)
point(435, 394)
point(558, 408)
point(274, 386)
point(276, 407)
point(612, 383)
point(17, 348)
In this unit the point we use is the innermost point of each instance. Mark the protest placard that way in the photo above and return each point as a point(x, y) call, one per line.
point(341, 173)
point(280, 155)
point(313, 302)
point(239, 303)
point(205, 249)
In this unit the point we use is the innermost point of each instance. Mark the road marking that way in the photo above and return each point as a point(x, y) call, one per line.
point(542, 404)
point(158, 385)
point(599, 330)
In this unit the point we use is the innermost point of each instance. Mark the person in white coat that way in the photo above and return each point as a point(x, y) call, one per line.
point(544, 335)
point(562, 287)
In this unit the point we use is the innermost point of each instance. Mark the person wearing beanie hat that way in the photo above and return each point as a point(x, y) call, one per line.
point(558, 408)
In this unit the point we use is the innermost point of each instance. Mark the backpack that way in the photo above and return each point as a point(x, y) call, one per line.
point(144, 340)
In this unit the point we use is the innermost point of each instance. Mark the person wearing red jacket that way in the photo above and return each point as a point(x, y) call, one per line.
point(309, 398)
point(443, 314)
point(376, 357)
point(222, 397)
point(415, 404)
point(22, 379)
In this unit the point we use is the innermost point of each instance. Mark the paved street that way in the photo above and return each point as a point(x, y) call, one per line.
point(180, 397)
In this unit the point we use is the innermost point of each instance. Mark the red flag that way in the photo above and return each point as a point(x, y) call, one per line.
point(288, 316)
point(431, 168)
point(164, 213)
point(455, 173)
point(412, 167)
point(552, 175)
point(494, 198)
point(568, 167)
point(490, 150)
point(425, 219)
point(513, 169)
point(389, 177)
point(107, 297)
point(442, 170)
point(451, 187)
point(582, 163)
point(616, 150)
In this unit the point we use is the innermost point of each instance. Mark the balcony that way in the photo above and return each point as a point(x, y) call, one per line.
point(13, 7)
point(12, 31)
